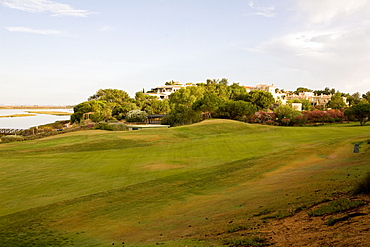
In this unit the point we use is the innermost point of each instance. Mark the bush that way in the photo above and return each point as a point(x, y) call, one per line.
point(136, 116)
point(111, 127)
point(263, 117)
point(299, 120)
point(285, 114)
point(363, 186)
point(11, 138)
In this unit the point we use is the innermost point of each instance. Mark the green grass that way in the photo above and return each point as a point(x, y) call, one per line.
point(340, 205)
point(175, 187)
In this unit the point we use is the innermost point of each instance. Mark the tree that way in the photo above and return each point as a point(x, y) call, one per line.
point(93, 106)
point(326, 91)
point(306, 105)
point(366, 96)
point(238, 92)
point(181, 105)
point(237, 109)
point(353, 99)
point(151, 104)
point(208, 104)
point(111, 95)
point(120, 111)
point(301, 90)
point(336, 102)
point(136, 116)
point(360, 112)
point(261, 99)
point(219, 87)
point(285, 114)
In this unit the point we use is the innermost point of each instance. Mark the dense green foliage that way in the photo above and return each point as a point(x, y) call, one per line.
point(213, 99)
point(111, 127)
point(285, 114)
point(361, 112)
point(336, 102)
point(114, 104)
point(136, 116)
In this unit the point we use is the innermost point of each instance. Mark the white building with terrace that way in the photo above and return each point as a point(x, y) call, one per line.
point(163, 92)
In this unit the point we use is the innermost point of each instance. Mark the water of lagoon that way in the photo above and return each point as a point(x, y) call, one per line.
point(30, 121)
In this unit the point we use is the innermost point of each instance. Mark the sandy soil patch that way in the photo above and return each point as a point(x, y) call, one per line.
point(303, 230)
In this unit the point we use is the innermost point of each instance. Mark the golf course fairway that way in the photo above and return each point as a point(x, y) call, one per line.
point(197, 185)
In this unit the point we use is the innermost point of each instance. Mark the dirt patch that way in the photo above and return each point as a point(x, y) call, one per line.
point(351, 229)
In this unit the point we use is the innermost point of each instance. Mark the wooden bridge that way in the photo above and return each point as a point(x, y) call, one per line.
point(9, 131)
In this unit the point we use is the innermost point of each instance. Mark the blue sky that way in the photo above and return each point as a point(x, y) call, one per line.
point(56, 52)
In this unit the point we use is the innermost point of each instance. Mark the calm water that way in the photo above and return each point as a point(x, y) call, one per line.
point(28, 122)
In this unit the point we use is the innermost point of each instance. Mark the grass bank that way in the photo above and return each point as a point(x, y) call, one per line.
point(19, 115)
point(55, 113)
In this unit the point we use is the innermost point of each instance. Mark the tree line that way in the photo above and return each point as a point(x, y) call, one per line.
point(218, 99)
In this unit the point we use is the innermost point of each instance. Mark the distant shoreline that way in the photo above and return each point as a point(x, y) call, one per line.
point(35, 107)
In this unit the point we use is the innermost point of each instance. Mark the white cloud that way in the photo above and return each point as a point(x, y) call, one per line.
point(331, 46)
point(263, 11)
point(39, 6)
point(327, 11)
point(35, 31)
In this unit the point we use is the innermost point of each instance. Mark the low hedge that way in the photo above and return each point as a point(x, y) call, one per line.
point(11, 138)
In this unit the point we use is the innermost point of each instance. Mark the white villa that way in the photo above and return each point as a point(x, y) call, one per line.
point(282, 98)
point(163, 92)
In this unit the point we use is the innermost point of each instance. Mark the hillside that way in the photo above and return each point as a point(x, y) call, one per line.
point(207, 184)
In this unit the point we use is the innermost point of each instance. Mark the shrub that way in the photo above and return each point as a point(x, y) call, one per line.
point(263, 117)
point(119, 127)
point(285, 113)
point(11, 138)
point(299, 120)
point(285, 122)
point(136, 116)
point(168, 120)
point(363, 186)
point(317, 116)
point(336, 114)
point(111, 127)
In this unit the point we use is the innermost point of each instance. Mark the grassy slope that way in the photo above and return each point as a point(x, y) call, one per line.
point(175, 186)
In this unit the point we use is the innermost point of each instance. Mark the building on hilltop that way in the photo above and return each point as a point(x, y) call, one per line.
point(163, 92)
point(315, 100)
point(280, 97)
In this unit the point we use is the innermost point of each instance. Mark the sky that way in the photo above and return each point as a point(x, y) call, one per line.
point(60, 52)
